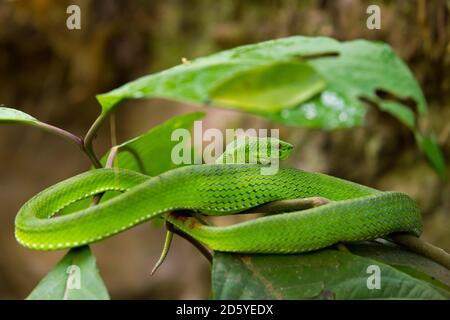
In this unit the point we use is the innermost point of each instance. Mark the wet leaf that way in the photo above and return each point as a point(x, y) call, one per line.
point(328, 110)
point(351, 69)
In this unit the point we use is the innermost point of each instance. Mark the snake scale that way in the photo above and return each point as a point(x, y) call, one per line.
point(355, 213)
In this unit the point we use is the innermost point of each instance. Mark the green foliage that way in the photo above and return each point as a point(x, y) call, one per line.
point(404, 114)
point(150, 153)
point(300, 81)
point(352, 70)
point(429, 146)
point(56, 284)
point(329, 274)
point(255, 89)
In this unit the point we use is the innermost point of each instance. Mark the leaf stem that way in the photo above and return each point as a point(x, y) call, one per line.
point(72, 138)
point(111, 157)
point(92, 132)
point(166, 248)
point(62, 133)
point(90, 153)
point(281, 206)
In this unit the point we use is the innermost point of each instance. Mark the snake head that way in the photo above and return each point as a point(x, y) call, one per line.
point(285, 149)
point(244, 149)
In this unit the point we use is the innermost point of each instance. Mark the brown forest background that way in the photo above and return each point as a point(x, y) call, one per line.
point(54, 74)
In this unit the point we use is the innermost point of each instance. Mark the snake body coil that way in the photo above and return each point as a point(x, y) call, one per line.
point(355, 213)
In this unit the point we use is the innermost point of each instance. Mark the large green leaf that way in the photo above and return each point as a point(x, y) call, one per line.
point(269, 88)
point(329, 274)
point(9, 115)
point(262, 78)
point(75, 277)
point(352, 70)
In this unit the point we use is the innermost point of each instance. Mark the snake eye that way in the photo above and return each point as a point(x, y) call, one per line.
point(285, 150)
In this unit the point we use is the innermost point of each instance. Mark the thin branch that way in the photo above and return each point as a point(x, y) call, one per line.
point(92, 132)
point(112, 156)
point(281, 206)
point(95, 161)
point(206, 253)
point(62, 133)
point(424, 248)
point(72, 138)
point(109, 164)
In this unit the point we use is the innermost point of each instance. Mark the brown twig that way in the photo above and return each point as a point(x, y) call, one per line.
point(72, 138)
point(206, 253)
point(289, 205)
point(424, 248)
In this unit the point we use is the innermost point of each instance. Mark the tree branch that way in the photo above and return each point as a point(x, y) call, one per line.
point(424, 248)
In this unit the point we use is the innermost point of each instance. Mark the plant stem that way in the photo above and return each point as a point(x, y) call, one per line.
point(62, 133)
point(92, 132)
point(72, 138)
point(112, 156)
point(166, 248)
point(289, 205)
point(194, 242)
point(90, 153)
point(424, 248)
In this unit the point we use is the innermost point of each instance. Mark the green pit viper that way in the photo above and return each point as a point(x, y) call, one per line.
point(355, 212)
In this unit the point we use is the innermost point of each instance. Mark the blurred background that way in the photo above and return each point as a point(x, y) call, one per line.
point(54, 74)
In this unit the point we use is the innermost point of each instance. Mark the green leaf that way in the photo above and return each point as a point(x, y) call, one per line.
point(269, 88)
point(354, 71)
point(75, 277)
point(406, 261)
point(351, 69)
point(153, 149)
point(324, 274)
point(429, 146)
point(186, 83)
point(8, 115)
point(401, 112)
point(328, 110)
